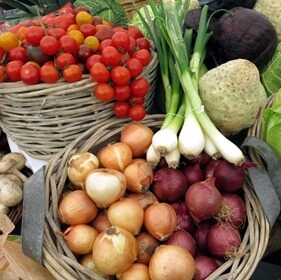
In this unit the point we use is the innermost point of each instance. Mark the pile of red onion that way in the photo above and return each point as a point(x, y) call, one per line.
point(207, 197)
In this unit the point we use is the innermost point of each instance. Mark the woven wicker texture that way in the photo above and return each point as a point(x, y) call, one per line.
point(44, 118)
point(61, 262)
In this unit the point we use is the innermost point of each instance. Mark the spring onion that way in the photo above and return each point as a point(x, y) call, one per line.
point(186, 125)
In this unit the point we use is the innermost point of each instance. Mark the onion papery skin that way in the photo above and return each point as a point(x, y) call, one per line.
point(101, 222)
point(193, 174)
point(80, 238)
point(171, 262)
point(101, 182)
point(233, 210)
point(204, 266)
point(202, 159)
point(146, 247)
point(169, 185)
point(223, 240)
point(230, 178)
point(184, 239)
point(79, 165)
point(138, 137)
point(201, 236)
point(203, 200)
point(115, 156)
point(114, 250)
point(209, 168)
point(137, 271)
point(126, 213)
point(184, 219)
point(88, 262)
point(144, 199)
point(139, 176)
point(77, 207)
point(160, 220)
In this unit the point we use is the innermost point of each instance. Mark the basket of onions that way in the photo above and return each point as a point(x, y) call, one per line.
point(110, 214)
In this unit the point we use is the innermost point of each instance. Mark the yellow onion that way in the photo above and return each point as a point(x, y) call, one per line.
point(101, 222)
point(88, 262)
point(114, 250)
point(77, 207)
point(144, 199)
point(79, 165)
point(171, 262)
point(137, 271)
point(115, 156)
point(138, 137)
point(160, 220)
point(80, 238)
point(139, 176)
point(105, 186)
point(126, 213)
point(146, 247)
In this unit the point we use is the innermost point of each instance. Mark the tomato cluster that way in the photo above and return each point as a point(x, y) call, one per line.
point(72, 42)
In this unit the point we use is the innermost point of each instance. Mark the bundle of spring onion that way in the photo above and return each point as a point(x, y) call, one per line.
point(186, 130)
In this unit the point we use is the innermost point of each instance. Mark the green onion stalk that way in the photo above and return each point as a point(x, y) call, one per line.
point(186, 130)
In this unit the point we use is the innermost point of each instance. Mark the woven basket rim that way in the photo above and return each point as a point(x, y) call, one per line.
point(61, 262)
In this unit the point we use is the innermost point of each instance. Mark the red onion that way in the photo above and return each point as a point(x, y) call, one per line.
point(184, 220)
point(193, 173)
point(230, 178)
point(202, 159)
point(184, 239)
point(210, 166)
point(233, 210)
point(204, 266)
point(223, 240)
point(201, 235)
point(203, 200)
point(162, 163)
point(169, 184)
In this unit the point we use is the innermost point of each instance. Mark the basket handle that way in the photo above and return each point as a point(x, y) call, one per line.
point(33, 216)
point(266, 183)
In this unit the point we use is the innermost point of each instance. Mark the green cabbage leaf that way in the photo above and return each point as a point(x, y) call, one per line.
point(271, 76)
point(109, 10)
point(271, 125)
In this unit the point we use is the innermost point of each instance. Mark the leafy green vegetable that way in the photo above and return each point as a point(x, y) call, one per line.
point(271, 125)
point(110, 10)
point(271, 77)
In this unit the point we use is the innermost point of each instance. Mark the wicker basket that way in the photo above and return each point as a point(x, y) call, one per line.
point(61, 262)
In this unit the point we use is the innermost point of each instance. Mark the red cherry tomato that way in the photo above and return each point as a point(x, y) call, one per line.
point(137, 112)
point(140, 87)
point(64, 59)
point(143, 55)
point(68, 44)
point(30, 74)
point(12, 69)
point(92, 60)
point(134, 100)
point(34, 34)
point(135, 67)
point(87, 29)
point(2, 74)
point(134, 32)
point(56, 32)
point(72, 73)
point(103, 92)
point(110, 56)
point(121, 40)
point(100, 73)
point(121, 109)
point(49, 74)
point(84, 52)
point(121, 93)
point(49, 45)
point(103, 44)
point(143, 43)
point(120, 75)
point(18, 53)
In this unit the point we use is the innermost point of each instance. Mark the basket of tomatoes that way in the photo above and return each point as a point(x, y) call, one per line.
point(120, 218)
point(60, 77)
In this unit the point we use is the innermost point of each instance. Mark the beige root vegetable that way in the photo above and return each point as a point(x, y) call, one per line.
point(4, 209)
point(9, 165)
point(11, 195)
point(10, 176)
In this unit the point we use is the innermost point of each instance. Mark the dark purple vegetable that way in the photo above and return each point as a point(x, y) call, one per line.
point(243, 33)
point(227, 4)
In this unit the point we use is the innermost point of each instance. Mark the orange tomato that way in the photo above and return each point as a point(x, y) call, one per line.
point(8, 41)
point(83, 17)
point(77, 35)
point(92, 42)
